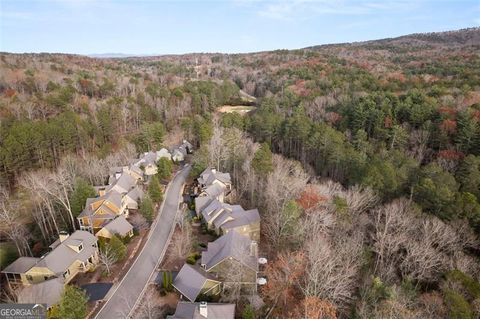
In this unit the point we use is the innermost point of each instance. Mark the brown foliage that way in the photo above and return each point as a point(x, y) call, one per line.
point(310, 198)
point(314, 308)
point(10, 93)
point(284, 274)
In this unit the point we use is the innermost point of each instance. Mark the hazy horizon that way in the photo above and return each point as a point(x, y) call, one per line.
point(144, 28)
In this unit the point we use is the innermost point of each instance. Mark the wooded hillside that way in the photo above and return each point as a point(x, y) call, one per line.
point(363, 158)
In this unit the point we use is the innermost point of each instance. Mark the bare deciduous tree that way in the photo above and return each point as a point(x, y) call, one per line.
point(11, 223)
point(107, 258)
point(182, 243)
point(333, 268)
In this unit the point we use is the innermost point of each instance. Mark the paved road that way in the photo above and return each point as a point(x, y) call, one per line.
point(129, 289)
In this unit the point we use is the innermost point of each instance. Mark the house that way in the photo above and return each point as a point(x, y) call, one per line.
point(232, 254)
point(101, 210)
point(148, 163)
point(178, 155)
point(133, 198)
point(48, 292)
point(119, 226)
point(193, 281)
point(163, 153)
point(211, 176)
point(132, 170)
point(203, 310)
point(201, 203)
point(223, 217)
point(214, 191)
point(181, 151)
point(187, 146)
point(123, 184)
point(70, 255)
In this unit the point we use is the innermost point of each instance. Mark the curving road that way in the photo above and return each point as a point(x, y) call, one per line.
point(124, 296)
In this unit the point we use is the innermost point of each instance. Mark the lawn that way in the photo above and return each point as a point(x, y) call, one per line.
point(8, 253)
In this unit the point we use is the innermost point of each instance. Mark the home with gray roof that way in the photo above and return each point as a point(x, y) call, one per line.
point(203, 310)
point(48, 292)
point(132, 170)
point(230, 255)
point(193, 281)
point(211, 176)
point(214, 185)
point(148, 161)
point(122, 184)
point(134, 197)
point(99, 211)
point(180, 152)
point(119, 226)
point(223, 217)
point(70, 255)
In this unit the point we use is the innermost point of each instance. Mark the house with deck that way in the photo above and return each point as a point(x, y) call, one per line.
point(223, 218)
point(193, 281)
point(70, 255)
point(99, 211)
point(233, 257)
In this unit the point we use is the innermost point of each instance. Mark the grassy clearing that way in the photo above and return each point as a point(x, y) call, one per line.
point(8, 253)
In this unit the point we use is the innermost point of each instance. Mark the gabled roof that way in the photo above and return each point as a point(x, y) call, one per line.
point(147, 158)
point(119, 226)
point(136, 170)
point(190, 281)
point(112, 196)
point(136, 194)
point(212, 209)
point(215, 190)
point(228, 213)
point(123, 184)
point(59, 259)
point(209, 175)
point(47, 292)
point(239, 218)
point(21, 265)
point(163, 153)
point(229, 245)
point(191, 310)
point(201, 202)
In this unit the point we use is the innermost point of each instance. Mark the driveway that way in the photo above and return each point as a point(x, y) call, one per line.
point(97, 291)
point(124, 295)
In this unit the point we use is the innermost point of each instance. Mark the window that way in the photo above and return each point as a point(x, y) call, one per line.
point(80, 247)
point(65, 274)
point(29, 277)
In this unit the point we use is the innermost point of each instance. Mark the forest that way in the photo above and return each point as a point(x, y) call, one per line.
point(363, 160)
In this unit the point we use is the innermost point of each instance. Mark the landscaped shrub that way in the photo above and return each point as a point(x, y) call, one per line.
point(472, 286)
point(458, 307)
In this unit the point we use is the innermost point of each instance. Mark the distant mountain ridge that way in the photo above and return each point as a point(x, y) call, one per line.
point(114, 55)
point(462, 37)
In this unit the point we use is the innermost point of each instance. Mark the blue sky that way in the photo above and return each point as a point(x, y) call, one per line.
point(162, 27)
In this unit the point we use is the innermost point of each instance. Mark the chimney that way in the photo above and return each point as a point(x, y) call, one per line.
point(63, 235)
point(203, 309)
point(253, 248)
